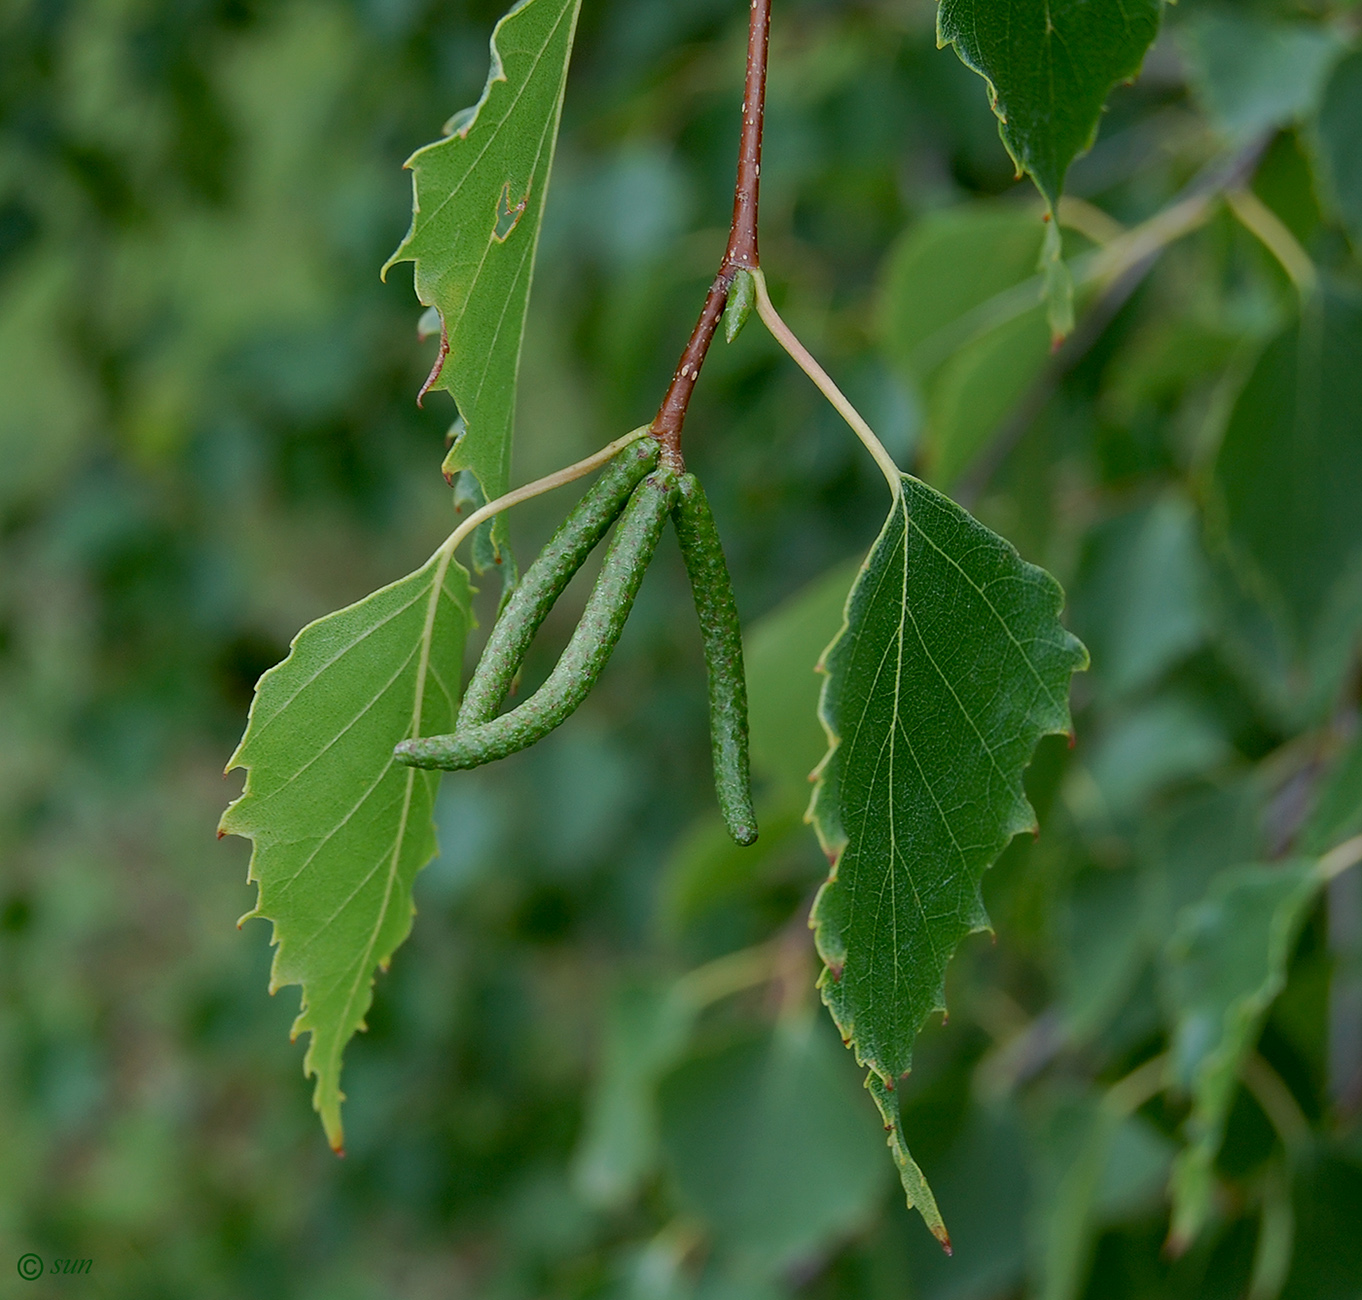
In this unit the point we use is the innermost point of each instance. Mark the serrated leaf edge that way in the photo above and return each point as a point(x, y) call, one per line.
point(330, 1111)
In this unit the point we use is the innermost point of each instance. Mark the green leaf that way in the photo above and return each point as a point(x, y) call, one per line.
point(951, 665)
point(478, 203)
point(1337, 814)
point(986, 1190)
point(1252, 75)
point(961, 320)
point(1169, 739)
point(1338, 134)
point(1049, 69)
point(340, 831)
point(1090, 1167)
point(1226, 963)
point(1100, 953)
point(781, 652)
point(770, 1146)
point(1288, 479)
point(646, 1029)
point(1188, 844)
point(1139, 600)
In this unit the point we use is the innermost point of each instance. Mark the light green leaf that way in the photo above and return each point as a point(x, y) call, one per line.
point(478, 203)
point(708, 870)
point(1226, 963)
point(1288, 479)
point(770, 1146)
point(1338, 134)
point(1252, 75)
point(960, 319)
point(340, 831)
point(1049, 69)
point(951, 665)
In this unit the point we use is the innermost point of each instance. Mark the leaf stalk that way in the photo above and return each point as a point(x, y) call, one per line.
point(803, 358)
point(559, 478)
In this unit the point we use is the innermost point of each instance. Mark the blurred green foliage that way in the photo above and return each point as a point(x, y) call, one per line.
point(595, 1070)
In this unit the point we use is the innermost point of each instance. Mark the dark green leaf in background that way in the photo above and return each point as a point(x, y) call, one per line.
point(1289, 479)
point(1226, 963)
point(960, 319)
point(1100, 954)
point(477, 209)
point(1339, 142)
point(1139, 600)
point(1146, 749)
point(340, 831)
point(646, 1028)
point(1049, 69)
point(1337, 814)
point(1092, 1165)
point(1252, 74)
point(1189, 842)
point(951, 666)
point(770, 1144)
point(781, 651)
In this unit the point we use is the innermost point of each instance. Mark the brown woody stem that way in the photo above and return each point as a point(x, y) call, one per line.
point(741, 253)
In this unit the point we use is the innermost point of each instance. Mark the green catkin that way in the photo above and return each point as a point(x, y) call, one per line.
point(546, 578)
point(587, 652)
point(718, 611)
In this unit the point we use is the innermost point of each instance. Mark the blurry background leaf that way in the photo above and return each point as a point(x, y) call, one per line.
point(1150, 748)
point(961, 319)
point(1289, 475)
point(1138, 602)
point(1252, 73)
point(1226, 963)
point(771, 1144)
point(1092, 1166)
point(1100, 952)
point(645, 1030)
point(1337, 814)
point(1339, 136)
point(781, 652)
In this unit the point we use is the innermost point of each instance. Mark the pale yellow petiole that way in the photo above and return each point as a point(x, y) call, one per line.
point(785, 336)
point(546, 484)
